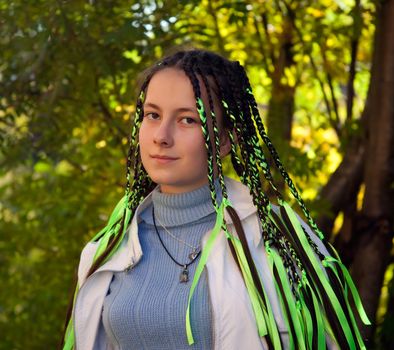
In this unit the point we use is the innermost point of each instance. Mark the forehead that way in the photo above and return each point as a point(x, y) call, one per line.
point(173, 82)
point(170, 85)
point(171, 89)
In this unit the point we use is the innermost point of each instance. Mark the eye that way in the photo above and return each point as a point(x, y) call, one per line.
point(151, 116)
point(189, 121)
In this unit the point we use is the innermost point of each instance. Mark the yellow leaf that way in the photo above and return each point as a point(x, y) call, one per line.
point(64, 168)
point(101, 144)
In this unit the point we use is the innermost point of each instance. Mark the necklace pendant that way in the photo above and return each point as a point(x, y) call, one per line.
point(184, 276)
point(193, 255)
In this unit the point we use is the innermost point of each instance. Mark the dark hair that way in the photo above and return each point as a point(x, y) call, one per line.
point(228, 82)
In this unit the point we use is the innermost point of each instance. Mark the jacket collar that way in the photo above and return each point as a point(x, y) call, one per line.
point(130, 252)
point(240, 199)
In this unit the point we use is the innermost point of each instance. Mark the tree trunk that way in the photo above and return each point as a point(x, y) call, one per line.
point(386, 340)
point(281, 104)
point(342, 188)
point(375, 222)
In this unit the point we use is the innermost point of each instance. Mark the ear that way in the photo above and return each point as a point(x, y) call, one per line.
point(225, 145)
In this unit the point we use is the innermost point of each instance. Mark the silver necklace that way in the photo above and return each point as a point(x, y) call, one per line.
point(184, 276)
point(195, 250)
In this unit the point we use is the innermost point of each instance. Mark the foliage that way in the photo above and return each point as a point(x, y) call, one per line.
point(68, 72)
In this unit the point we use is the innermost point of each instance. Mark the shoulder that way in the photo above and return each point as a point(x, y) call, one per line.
point(130, 238)
point(86, 260)
point(240, 198)
point(242, 201)
point(308, 229)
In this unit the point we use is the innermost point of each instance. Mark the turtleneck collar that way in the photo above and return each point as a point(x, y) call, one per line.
point(181, 208)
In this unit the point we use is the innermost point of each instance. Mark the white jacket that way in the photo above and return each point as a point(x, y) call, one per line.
point(232, 318)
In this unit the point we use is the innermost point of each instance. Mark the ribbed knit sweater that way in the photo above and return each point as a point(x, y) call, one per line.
point(145, 308)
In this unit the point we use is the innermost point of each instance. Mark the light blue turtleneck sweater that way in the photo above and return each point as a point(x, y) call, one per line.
point(145, 308)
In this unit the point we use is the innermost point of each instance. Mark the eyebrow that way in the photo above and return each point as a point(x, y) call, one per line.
point(181, 109)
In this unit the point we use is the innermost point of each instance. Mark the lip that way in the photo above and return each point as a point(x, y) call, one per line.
point(163, 159)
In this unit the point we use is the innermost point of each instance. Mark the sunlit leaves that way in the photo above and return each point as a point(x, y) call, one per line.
point(68, 82)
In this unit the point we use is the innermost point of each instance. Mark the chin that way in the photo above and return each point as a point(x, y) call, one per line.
point(162, 180)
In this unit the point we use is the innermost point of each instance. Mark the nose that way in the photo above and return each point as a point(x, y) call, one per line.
point(163, 135)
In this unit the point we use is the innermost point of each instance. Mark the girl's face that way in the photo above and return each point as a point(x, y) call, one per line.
point(172, 145)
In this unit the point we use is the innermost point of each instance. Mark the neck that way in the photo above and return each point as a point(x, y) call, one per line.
point(181, 208)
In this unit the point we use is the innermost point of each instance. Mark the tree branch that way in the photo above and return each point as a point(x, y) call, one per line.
point(264, 19)
point(220, 40)
point(112, 125)
point(315, 71)
point(335, 121)
point(352, 66)
point(260, 43)
point(343, 185)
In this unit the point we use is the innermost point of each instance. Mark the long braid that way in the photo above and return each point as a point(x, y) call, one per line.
point(275, 155)
point(271, 236)
point(247, 174)
point(236, 161)
point(255, 151)
point(243, 142)
point(140, 175)
point(269, 232)
point(282, 243)
point(338, 311)
point(239, 167)
point(264, 165)
point(215, 133)
point(133, 138)
point(188, 68)
point(253, 182)
point(278, 163)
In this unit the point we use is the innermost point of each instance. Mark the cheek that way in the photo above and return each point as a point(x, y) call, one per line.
point(197, 145)
point(142, 137)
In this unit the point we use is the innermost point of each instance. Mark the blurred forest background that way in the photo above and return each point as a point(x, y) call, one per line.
point(323, 75)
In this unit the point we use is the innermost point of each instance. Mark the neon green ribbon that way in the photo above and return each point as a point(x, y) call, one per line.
point(321, 341)
point(312, 258)
point(284, 313)
point(307, 325)
point(108, 232)
point(112, 231)
point(330, 261)
point(103, 243)
point(263, 314)
point(117, 212)
point(271, 323)
point(203, 259)
point(115, 216)
point(257, 305)
point(70, 335)
point(277, 262)
point(265, 320)
point(123, 233)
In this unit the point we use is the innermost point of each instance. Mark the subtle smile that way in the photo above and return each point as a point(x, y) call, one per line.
point(163, 159)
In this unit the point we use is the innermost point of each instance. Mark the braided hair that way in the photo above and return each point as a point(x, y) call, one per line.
point(313, 288)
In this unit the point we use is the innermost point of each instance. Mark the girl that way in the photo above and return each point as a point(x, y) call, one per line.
point(190, 257)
